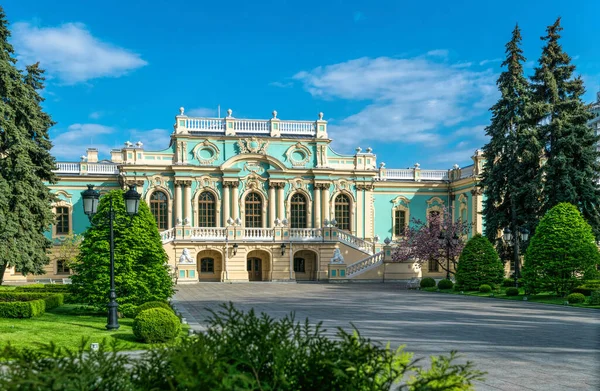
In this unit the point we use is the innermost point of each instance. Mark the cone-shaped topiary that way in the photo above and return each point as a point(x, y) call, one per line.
point(560, 253)
point(141, 271)
point(478, 264)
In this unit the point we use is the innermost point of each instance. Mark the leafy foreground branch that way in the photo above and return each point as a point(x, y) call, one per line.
point(239, 351)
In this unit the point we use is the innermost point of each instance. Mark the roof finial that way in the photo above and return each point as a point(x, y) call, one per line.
point(181, 110)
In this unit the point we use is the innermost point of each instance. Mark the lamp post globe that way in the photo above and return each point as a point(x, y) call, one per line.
point(507, 234)
point(132, 201)
point(90, 201)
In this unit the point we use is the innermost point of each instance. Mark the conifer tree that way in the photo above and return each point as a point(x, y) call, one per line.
point(25, 164)
point(141, 271)
point(510, 179)
point(571, 170)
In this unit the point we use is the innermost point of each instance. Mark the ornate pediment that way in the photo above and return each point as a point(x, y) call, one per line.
point(253, 145)
point(401, 201)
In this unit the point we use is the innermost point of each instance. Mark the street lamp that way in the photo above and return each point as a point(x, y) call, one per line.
point(90, 208)
point(509, 238)
point(449, 242)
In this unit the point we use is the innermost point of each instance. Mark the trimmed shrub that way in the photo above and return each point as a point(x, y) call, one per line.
point(584, 290)
point(427, 282)
point(153, 304)
point(575, 298)
point(508, 282)
point(595, 298)
point(44, 288)
point(156, 325)
point(445, 284)
point(478, 264)
point(22, 309)
point(512, 291)
point(485, 288)
point(562, 248)
point(128, 310)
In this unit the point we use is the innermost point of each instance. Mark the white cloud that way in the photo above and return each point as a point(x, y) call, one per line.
point(72, 143)
point(281, 84)
point(203, 112)
point(410, 100)
point(454, 156)
point(474, 132)
point(70, 53)
point(153, 140)
point(438, 53)
point(96, 114)
point(490, 61)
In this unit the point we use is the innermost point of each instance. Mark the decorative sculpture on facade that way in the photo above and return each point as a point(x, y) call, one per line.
point(338, 258)
point(253, 145)
point(186, 257)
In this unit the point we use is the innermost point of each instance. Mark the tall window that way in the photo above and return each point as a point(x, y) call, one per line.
point(399, 222)
point(62, 220)
point(434, 218)
point(253, 211)
point(342, 212)
point(206, 210)
point(159, 209)
point(434, 266)
point(207, 265)
point(298, 211)
point(61, 267)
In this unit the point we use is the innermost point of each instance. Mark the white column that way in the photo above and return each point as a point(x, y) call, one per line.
point(187, 202)
point(226, 202)
point(178, 219)
point(235, 200)
point(326, 213)
point(272, 203)
point(280, 199)
point(318, 211)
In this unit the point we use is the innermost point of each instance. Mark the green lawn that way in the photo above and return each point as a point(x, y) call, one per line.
point(547, 297)
point(66, 326)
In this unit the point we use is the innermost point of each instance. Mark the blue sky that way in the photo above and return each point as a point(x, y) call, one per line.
point(413, 80)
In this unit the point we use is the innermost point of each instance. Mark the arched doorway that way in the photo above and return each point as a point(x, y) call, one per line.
point(210, 265)
point(305, 265)
point(258, 265)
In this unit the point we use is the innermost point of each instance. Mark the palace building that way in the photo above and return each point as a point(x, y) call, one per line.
point(267, 200)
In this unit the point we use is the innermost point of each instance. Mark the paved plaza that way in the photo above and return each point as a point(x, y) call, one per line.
point(522, 346)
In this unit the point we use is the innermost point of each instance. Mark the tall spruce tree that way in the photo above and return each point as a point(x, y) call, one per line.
point(25, 164)
point(512, 154)
point(571, 170)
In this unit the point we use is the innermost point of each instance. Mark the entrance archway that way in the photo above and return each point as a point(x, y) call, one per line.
point(210, 265)
point(305, 265)
point(258, 264)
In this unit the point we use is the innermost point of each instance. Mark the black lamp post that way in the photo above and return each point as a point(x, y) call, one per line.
point(510, 238)
point(448, 241)
point(90, 208)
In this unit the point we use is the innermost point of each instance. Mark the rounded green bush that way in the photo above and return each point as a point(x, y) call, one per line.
point(156, 325)
point(485, 288)
point(512, 291)
point(575, 298)
point(427, 282)
point(508, 282)
point(445, 284)
point(153, 304)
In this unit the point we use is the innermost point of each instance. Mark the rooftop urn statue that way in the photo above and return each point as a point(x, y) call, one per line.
point(181, 110)
point(274, 114)
point(186, 257)
point(229, 112)
point(337, 258)
point(321, 113)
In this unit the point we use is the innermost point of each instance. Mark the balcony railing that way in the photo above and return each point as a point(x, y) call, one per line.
point(86, 168)
point(267, 235)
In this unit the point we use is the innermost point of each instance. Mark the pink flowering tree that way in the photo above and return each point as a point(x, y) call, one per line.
point(439, 239)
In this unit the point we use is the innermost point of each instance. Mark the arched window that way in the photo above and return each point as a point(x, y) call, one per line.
point(253, 211)
point(62, 220)
point(342, 212)
point(298, 211)
point(207, 265)
point(159, 209)
point(206, 210)
point(399, 222)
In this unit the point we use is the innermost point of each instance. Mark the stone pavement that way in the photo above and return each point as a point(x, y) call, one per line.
point(522, 346)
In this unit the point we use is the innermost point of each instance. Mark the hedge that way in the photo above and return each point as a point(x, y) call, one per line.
point(25, 305)
point(43, 288)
